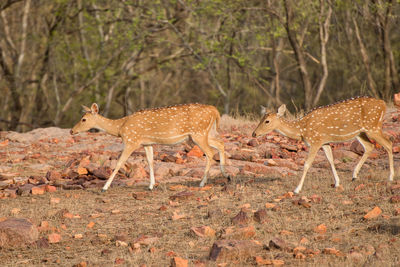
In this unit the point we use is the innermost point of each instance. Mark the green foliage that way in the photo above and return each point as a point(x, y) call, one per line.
point(155, 53)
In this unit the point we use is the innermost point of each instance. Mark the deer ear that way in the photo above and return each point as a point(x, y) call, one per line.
point(263, 110)
point(94, 108)
point(281, 110)
point(86, 109)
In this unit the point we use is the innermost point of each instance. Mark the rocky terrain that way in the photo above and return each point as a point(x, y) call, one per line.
point(52, 210)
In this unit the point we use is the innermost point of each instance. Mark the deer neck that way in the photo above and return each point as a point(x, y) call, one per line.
point(290, 129)
point(110, 126)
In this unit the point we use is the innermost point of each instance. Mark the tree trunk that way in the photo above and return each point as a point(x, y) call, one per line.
point(300, 57)
point(366, 61)
point(323, 37)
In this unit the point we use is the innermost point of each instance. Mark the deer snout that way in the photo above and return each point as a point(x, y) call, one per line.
point(254, 134)
point(71, 132)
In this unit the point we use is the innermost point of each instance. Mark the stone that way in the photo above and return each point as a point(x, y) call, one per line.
point(82, 171)
point(260, 261)
point(195, 152)
point(332, 251)
point(375, 212)
point(278, 243)
point(203, 231)
point(38, 190)
point(261, 216)
point(230, 250)
point(50, 188)
point(240, 233)
point(102, 173)
point(17, 233)
point(357, 148)
point(140, 195)
point(184, 195)
point(253, 142)
point(320, 229)
point(53, 175)
point(241, 218)
point(395, 199)
point(25, 189)
point(179, 262)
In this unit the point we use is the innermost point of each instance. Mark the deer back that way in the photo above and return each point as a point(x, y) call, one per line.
point(343, 121)
point(170, 122)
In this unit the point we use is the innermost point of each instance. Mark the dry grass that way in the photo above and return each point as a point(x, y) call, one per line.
point(346, 230)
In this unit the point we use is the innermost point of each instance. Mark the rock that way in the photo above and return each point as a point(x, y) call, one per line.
point(102, 173)
point(231, 250)
point(253, 142)
point(260, 261)
point(184, 195)
point(42, 243)
point(82, 170)
point(168, 158)
point(179, 262)
point(17, 233)
point(288, 147)
point(375, 212)
point(395, 199)
point(270, 162)
point(241, 233)
point(395, 189)
point(270, 205)
point(320, 229)
point(140, 195)
point(195, 152)
point(123, 236)
point(53, 175)
point(245, 155)
point(50, 188)
point(260, 216)
point(38, 190)
point(357, 148)
point(240, 219)
point(332, 251)
point(25, 189)
point(203, 231)
point(288, 163)
point(278, 243)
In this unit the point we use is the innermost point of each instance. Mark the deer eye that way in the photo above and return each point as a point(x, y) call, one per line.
point(267, 121)
point(83, 120)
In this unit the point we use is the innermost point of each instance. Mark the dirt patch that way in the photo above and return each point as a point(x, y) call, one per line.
point(131, 226)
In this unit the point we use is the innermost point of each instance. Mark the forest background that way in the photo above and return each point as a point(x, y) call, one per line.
point(126, 55)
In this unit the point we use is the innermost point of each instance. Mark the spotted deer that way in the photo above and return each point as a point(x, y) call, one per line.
point(359, 118)
point(166, 126)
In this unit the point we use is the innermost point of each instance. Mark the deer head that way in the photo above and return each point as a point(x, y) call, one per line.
point(88, 120)
point(269, 121)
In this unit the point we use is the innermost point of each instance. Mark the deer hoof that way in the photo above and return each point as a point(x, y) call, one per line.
point(103, 190)
point(354, 178)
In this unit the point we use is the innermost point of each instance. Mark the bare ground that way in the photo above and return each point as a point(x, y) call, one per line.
point(120, 227)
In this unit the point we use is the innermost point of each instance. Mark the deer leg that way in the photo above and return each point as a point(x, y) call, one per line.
point(129, 148)
point(219, 145)
point(368, 147)
point(310, 158)
point(380, 138)
point(202, 142)
point(150, 161)
point(328, 153)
